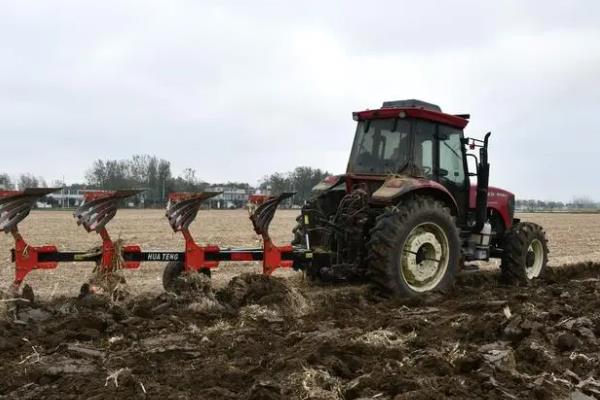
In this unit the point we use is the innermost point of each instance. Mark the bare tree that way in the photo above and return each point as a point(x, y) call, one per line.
point(29, 181)
point(6, 182)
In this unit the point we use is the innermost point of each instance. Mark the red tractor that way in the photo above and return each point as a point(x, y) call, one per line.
point(406, 214)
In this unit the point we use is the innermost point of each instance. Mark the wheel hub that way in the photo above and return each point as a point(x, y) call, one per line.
point(534, 259)
point(425, 257)
point(530, 260)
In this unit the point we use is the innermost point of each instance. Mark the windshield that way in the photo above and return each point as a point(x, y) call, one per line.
point(380, 146)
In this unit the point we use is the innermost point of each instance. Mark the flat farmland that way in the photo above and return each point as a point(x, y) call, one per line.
point(573, 238)
point(252, 337)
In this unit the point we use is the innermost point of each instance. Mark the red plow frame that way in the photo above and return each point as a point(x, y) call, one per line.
point(98, 209)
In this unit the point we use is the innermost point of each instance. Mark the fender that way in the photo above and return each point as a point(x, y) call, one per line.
point(327, 184)
point(395, 187)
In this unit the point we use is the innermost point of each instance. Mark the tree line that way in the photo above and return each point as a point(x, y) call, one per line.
point(578, 203)
point(154, 175)
point(23, 181)
point(301, 181)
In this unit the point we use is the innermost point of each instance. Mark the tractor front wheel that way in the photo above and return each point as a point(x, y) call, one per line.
point(525, 253)
point(414, 248)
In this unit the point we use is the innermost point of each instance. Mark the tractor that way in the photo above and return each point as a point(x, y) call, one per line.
point(406, 215)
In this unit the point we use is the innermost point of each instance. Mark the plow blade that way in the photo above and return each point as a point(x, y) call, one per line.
point(16, 205)
point(183, 208)
point(97, 210)
point(263, 215)
point(99, 207)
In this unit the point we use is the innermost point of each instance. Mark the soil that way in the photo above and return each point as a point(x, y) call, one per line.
point(252, 337)
point(275, 338)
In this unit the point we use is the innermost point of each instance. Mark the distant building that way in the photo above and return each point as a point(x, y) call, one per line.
point(229, 198)
point(66, 198)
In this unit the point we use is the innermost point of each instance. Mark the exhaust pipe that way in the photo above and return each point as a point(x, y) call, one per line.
point(483, 180)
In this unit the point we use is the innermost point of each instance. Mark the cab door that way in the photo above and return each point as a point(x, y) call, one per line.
point(451, 170)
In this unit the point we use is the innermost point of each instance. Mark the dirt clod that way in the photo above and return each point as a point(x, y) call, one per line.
point(264, 290)
point(567, 342)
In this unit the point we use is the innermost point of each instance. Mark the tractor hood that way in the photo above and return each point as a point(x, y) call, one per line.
point(497, 197)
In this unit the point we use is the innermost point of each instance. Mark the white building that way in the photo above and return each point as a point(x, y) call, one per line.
point(67, 197)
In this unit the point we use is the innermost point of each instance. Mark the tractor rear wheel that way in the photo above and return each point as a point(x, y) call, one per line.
point(525, 253)
point(414, 248)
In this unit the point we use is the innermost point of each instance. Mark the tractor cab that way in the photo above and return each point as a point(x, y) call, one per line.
point(405, 214)
point(412, 138)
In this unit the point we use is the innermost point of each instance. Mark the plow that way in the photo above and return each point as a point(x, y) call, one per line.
point(100, 207)
point(407, 216)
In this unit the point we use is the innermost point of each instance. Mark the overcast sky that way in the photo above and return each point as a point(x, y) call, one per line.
point(240, 89)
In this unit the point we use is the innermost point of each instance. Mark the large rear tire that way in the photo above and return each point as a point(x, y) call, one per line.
point(525, 253)
point(414, 248)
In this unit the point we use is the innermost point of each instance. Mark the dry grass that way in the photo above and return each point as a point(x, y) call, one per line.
point(317, 384)
point(573, 238)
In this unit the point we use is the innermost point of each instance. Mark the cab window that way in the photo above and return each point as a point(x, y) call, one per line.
point(381, 146)
point(451, 156)
point(424, 148)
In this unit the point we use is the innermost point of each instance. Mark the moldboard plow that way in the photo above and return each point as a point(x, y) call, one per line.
point(100, 207)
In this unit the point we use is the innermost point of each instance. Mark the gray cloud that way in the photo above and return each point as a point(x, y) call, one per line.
point(240, 89)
